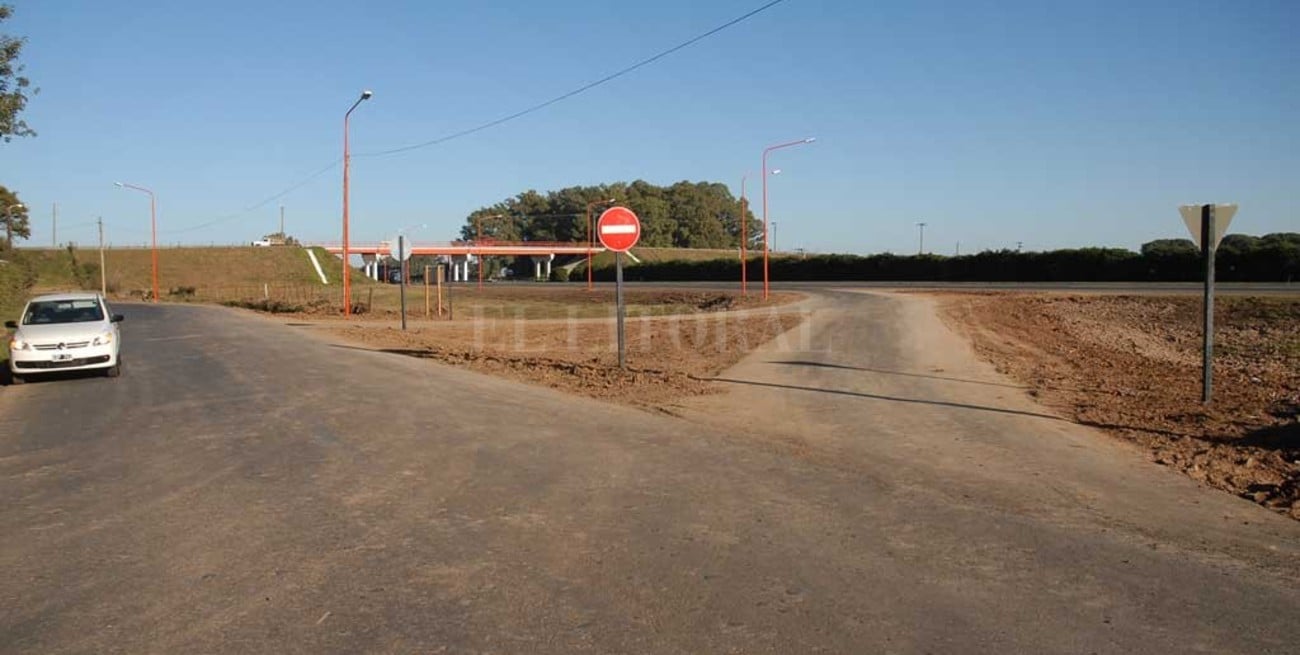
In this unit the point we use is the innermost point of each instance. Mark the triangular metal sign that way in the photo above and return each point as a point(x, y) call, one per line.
point(1222, 216)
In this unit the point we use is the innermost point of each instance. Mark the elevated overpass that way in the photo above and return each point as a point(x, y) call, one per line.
point(459, 254)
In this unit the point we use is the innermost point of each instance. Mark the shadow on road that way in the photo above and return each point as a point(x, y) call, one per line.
point(872, 396)
point(902, 373)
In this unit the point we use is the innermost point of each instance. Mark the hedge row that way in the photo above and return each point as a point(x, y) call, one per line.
point(1281, 264)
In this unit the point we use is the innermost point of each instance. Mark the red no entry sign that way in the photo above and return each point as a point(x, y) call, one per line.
point(619, 229)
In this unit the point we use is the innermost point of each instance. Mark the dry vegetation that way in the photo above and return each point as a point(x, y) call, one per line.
point(1131, 365)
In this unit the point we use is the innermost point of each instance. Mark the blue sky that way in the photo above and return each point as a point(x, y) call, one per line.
point(1054, 124)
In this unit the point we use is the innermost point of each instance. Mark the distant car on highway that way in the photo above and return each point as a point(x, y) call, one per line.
point(65, 332)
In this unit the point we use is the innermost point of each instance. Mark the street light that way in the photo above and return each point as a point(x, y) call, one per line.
point(591, 242)
point(347, 159)
point(9, 223)
point(744, 236)
point(765, 244)
point(153, 227)
point(478, 240)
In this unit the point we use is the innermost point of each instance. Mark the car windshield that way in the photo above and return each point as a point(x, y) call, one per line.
point(63, 311)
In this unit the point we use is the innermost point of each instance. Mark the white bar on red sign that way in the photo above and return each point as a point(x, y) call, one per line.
point(618, 229)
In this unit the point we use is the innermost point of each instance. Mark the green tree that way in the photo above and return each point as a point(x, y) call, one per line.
point(14, 87)
point(14, 214)
point(1169, 248)
point(684, 215)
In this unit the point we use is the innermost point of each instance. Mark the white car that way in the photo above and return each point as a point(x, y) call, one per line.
point(65, 332)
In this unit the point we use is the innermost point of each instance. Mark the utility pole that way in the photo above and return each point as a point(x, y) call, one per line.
point(282, 234)
point(920, 248)
point(103, 276)
point(958, 249)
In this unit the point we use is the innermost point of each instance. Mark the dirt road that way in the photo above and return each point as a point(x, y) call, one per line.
point(247, 488)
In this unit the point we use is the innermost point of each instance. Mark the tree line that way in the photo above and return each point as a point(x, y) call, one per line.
point(1240, 258)
point(683, 215)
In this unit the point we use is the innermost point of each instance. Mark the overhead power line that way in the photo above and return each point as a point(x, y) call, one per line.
point(490, 124)
point(565, 96)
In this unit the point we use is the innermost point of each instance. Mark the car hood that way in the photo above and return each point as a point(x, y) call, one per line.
point(62, 331)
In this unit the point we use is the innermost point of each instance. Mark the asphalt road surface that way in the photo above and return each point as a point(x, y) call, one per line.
point(865, 486)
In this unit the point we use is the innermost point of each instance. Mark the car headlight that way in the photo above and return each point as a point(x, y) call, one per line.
point(103, 339)
point(16, 343)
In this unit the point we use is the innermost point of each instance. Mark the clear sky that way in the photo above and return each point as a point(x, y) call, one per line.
point(1057, 124)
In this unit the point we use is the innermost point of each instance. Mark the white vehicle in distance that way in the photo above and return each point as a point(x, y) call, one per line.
point(65, 332)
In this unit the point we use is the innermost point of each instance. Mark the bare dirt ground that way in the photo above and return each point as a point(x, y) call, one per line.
point(1130, 365)
point(567, 340)
point(381, 302)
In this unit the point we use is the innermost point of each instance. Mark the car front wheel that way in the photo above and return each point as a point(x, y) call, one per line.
point(15, 378)
point(114, 371)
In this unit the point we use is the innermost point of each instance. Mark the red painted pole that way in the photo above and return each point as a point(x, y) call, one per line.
point(347, 160)
point(478, 228)
point(153, 227)
point(765, 231)
point(590, 243)
point(744, 236)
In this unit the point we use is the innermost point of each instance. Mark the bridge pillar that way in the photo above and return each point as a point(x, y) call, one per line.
point(542, 266)
point(369, 264)
point(460, 268)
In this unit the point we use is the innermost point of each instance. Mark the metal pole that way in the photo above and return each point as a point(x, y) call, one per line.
point(401, 271)
point(744, 236)
point(153, 223)
point(440, 275)
point(765, 272)
point(347, 161)
point(427, 284)
point(1207, 250)
point(618, 293)
point(103, 277)
point(477, 241)
point(347, 279)
point(590, 244)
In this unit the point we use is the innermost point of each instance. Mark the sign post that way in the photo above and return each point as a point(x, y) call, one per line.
point(439, 281)
point(1207, 223)
point(402, 255)
point(619, 230)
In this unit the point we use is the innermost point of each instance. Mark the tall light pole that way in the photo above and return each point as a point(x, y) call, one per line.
point(347, 160)
point(478, 241)
point(765, 244)
point(920, 248)
point(591, 237)
point(9, 223)
point(153, 228)
point(744, 236)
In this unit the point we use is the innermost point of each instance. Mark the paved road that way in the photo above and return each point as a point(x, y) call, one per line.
point(245, 488)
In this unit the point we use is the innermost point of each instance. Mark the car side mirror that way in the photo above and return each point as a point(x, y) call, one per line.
point(11, 324)
point(118, 318)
